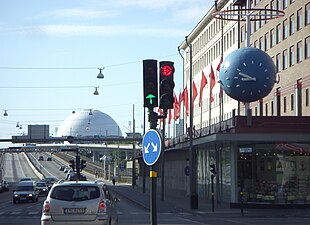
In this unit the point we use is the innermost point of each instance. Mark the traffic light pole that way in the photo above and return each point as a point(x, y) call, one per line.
point(153, 176)
point(163, 158)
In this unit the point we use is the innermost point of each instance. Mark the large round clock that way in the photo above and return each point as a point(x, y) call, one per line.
point(247, 74)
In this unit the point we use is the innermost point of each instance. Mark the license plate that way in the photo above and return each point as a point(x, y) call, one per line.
point(74, 210)
point(23, 199)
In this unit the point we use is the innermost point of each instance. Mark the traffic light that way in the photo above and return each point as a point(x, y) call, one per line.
point(83, 164)
point(212, 169)
point(166, 85)
point(72, 164)
point(150, 83)
point(77, 160)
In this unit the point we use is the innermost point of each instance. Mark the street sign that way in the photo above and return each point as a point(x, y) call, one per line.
point(151, 147)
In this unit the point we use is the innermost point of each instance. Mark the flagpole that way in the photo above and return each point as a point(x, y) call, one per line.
point(210, 100)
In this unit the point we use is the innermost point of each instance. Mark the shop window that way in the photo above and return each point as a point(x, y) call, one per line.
point(275, 173)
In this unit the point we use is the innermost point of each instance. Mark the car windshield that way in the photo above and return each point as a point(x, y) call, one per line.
point(24, 188)
point(75, 193)
point(25, 179)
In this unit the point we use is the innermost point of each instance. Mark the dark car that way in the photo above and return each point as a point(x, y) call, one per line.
point(25, 191)
point(41, 158)
point(43, 188)
point(49, 158)
point(49, 181)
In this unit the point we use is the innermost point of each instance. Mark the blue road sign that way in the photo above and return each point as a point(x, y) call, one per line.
point(151, 147)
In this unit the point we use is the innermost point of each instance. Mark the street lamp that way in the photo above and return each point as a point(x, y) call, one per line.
point(100, 75)
point(96, 91)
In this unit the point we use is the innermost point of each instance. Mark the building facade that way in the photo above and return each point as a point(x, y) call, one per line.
point(266, 168)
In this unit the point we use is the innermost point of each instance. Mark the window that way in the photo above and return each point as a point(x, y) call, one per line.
point(299, 52)
point(292, 24)
point(285, 4)
point(272, 108)
point(266, 109)
point(279, 5)
point(307, 97)
point(292, 102)
point(242, 34)
point(307, 14)
point(272, 38)
point(278, 63)
point(299, 19)
point(285, 29)
point(292, 55)
point(261, 46)
point(285, 59)
point(266, 41)
point(307, 48)
point(284, 104)
point(278, 33)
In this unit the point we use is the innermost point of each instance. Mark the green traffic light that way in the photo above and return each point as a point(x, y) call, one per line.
point(150, 96)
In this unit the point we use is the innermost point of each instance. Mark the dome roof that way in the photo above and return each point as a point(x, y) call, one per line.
point(84, 123)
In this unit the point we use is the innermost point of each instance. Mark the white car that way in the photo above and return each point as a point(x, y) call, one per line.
point(80, 203)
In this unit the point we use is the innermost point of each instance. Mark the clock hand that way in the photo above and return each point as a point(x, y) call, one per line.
point(246, 77)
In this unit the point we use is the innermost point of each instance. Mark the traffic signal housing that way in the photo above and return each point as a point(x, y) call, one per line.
point(212, 169)
point(72, 164)
point(150, 83)
point(83, 164)
point(166, 75)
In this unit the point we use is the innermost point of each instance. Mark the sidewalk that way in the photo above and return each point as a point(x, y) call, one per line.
point(181, 204)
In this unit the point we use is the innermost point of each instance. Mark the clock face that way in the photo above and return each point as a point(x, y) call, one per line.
point(247, 74)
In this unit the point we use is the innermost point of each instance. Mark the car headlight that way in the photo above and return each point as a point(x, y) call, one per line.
point(16, 195)
point(30, 195)
point(44, 189)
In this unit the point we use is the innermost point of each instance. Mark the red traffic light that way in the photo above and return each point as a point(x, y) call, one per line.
point(167, 70)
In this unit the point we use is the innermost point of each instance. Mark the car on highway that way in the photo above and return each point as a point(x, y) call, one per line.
point(25, 191)
point(49, 181)
point(43, 188)
point(49, 158)
point(26, 179)
point(84, 202)
point(41, 158)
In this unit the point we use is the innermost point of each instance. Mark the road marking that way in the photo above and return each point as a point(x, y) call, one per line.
point(15, 213)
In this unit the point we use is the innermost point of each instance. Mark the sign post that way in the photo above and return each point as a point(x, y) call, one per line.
point(151, 149)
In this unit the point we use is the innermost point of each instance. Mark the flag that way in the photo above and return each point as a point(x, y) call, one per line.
point(169, 116)
point(219, 65)
point(202, 85)
point(176, 107)
point(185, 99)
point(195, 93)
point(181, 97)
point(161, 113)
point(212, 84)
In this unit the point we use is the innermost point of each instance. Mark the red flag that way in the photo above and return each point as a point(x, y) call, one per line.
point(212, 78)
point(195, 93)
point(185, 99)
point(176, 107)
point(181, 97)
point(202, 85)
point(169, 116)
point(219, 65)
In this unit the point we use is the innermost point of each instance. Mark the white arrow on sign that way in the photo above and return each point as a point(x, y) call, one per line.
point(154, 147)
point(146, 148)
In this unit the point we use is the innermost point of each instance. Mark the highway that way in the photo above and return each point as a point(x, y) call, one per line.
point(16, 167)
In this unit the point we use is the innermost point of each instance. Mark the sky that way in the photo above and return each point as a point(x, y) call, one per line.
point(51, 50)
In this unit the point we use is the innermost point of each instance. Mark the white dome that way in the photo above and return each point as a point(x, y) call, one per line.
point(83, 124)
